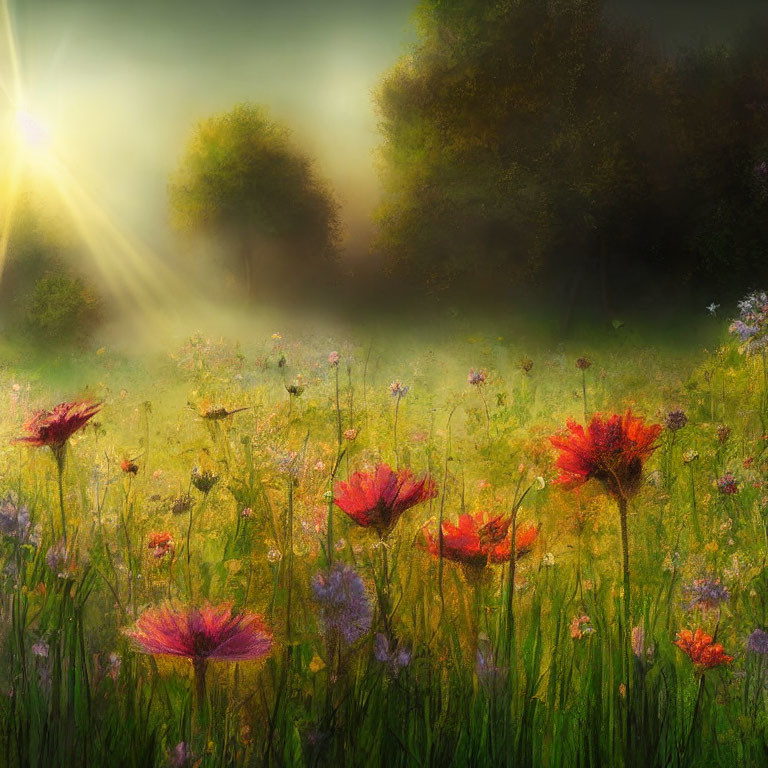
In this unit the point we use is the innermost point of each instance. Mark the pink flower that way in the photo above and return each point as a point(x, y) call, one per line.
point(199, 634)
point(53, 428)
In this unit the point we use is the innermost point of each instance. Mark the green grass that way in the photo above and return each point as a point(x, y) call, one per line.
point(554, 701)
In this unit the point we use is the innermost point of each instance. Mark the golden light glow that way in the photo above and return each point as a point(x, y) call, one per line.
point(133, 275)
point(31, 131)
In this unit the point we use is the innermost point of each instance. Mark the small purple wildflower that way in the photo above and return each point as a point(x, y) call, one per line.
point(40, 650)
point(728, 484)
point(489, 674)
point(476, 378)
point(398, 389)
point(58, 559)
point(752, 324)
point(396, 658)
point(675, 420)
point(758, 642)
point(14, 518)
point(706, 593)
point(181, 756)
point(345, 609)
point(333, 358)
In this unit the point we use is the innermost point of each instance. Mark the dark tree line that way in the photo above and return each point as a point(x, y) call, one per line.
point(533, 143)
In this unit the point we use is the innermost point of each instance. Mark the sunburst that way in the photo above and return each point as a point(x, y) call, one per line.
point(127, 267)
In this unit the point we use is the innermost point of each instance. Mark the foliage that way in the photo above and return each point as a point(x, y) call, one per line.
point(441, 664)
point(557, 147)
point(241, 180)
point(60, 308)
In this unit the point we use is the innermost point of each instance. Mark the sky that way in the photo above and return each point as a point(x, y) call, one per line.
point(122, 83)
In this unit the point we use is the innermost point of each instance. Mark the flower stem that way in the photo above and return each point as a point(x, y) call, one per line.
point(200, 666)
point(694, 717)
point(397, 453)
point(338, 408)
point(625, 629)
point(60, 478)
point(694, 510)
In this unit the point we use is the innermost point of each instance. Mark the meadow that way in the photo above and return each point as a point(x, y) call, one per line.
point(399, 549)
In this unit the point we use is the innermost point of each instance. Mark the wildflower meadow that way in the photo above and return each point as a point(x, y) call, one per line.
point(308, 553)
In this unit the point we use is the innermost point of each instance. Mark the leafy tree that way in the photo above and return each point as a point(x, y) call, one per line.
point(529, 141)
point(242, 181)
point(42, 296)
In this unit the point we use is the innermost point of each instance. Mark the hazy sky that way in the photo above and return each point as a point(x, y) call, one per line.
point(123, 81)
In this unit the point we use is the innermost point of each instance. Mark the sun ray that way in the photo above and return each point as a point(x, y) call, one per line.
point(7, 24)
point(9, 203)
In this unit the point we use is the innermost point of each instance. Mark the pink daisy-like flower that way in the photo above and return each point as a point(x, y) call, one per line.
point(199, 634)
point(53, 428)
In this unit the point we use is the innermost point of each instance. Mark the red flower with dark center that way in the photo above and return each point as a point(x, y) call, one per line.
point(477, 542)
point(160, 544)
point(129, 467)
point(612, 451)
point(701, 650)
point(377, 499)
point(53, 428)
point(199, 634)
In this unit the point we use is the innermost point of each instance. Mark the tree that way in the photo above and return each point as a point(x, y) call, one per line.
point(540, 142)
point(242, 181)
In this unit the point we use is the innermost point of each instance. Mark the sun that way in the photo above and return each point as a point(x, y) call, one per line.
point(32, 132)
point(30, 150)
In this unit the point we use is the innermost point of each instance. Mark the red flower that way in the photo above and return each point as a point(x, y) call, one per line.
point(475, 542)
point(199, 634)
point(377, 499)
point(129, 467)
point(53, 428)
point(612, 451)
point(701, 650)
point(160, 543)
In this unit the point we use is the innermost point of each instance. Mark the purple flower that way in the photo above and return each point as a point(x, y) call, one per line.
point(675, 420)
point(395, 657)
point(41, 650)
point(181, 757)
point(333, 358)
point(59, 560)
point(758, 642)
point(345, 609)
point(728, 484)
point(14, 518)
point(398, 389)
point(752, 324)
point(476, 378)
point(489, 674)
point(706, 593)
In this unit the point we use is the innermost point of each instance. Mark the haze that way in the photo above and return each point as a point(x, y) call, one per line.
point(122, 84)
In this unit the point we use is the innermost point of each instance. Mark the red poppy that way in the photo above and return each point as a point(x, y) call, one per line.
point(377, 499)
point(53, 428)
point(160, 544)
point(129, 467)
point(476, 542)
point(612, 451)
point(701, 650)
point(199, 634)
